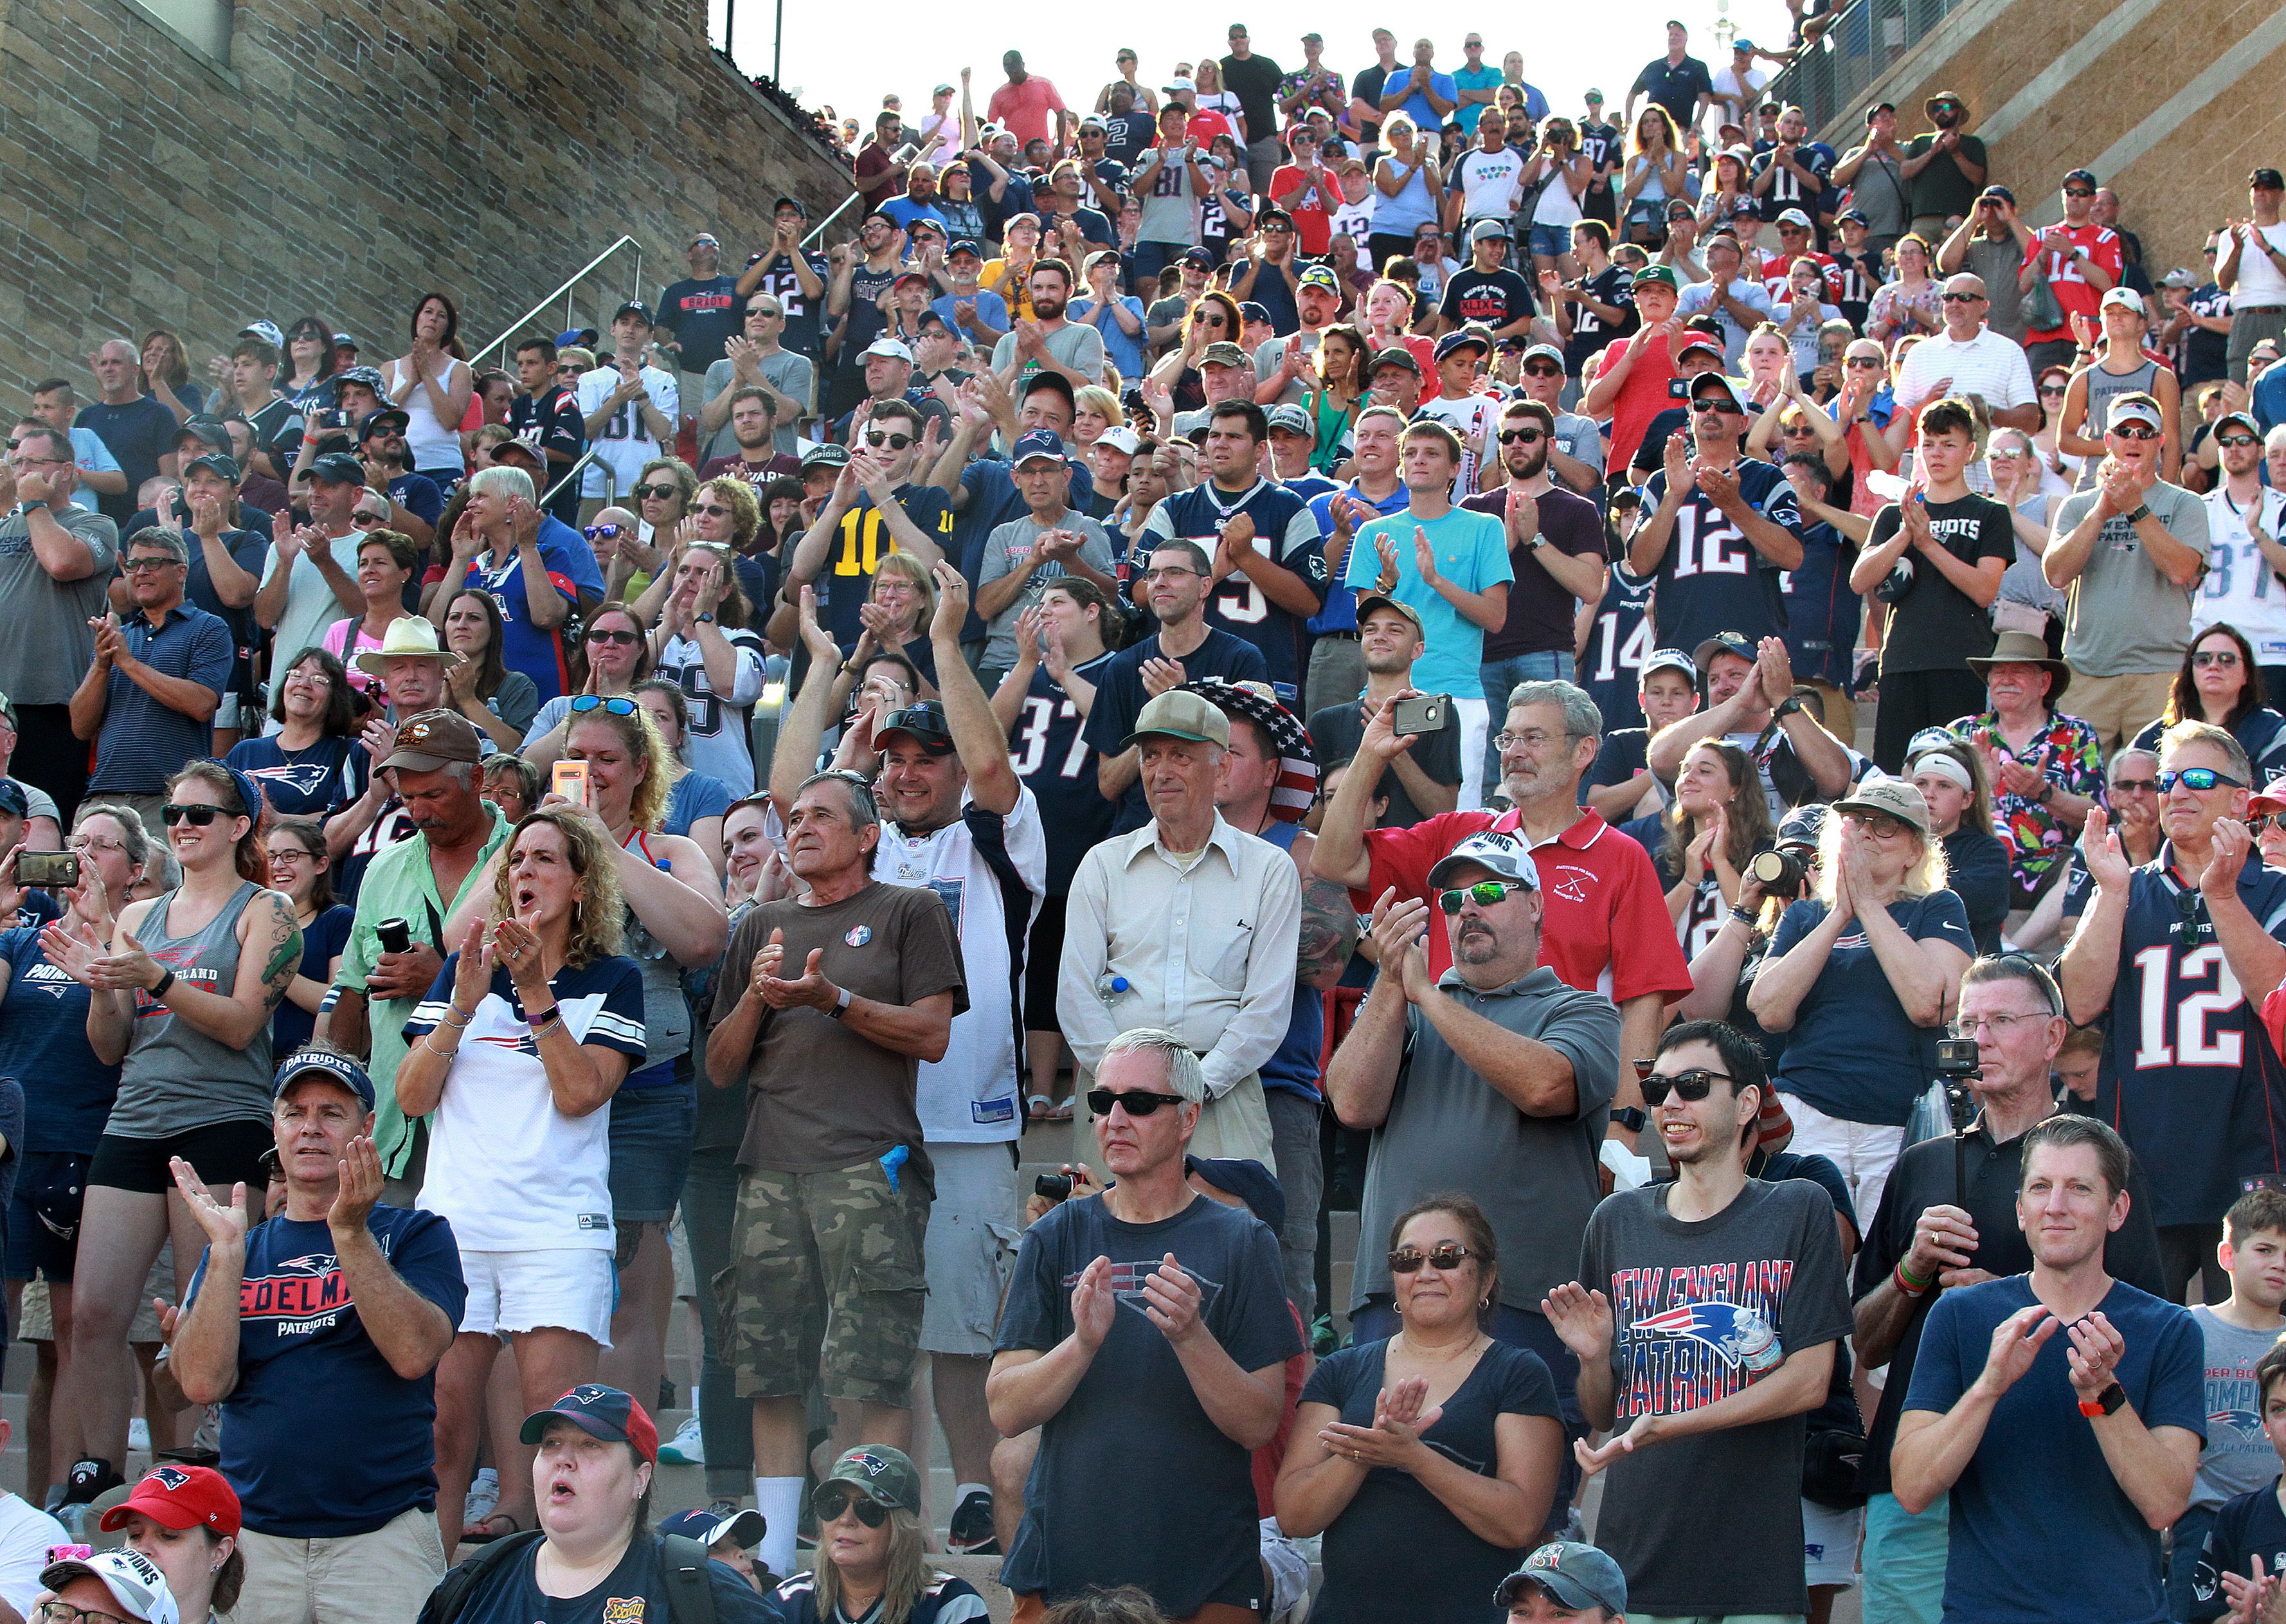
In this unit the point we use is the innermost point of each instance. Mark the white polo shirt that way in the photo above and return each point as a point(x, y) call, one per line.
point(1988, 366)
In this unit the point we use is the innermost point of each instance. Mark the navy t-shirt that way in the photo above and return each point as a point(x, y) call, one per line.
point(1177, 1517)
point(44, 1039)
point(329, 933)
point(1844, 1049)
point(1711, 579)
point(136, 435)
point(2041, 1528)
point(704, 314)
point(306, 1368)
point(2246, 1526)
point(1396, 1551)
point(1822, 613)
point(314, 782)
point(1120, 699)
point(1618, 642)
point(636, 1593)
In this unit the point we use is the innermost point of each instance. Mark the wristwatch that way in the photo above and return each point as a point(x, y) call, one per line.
point(1634, 1118)
point(840, 1006)
point(2142, 511)
point(2108, 1402)
point(1787, 706)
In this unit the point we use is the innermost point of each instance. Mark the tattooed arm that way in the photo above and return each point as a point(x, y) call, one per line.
point(1329, 925)
point(269, 952)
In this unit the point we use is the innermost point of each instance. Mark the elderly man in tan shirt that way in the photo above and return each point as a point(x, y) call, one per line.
point(1187, 924)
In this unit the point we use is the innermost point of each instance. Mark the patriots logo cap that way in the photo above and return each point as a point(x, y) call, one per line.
point(886, 1475)
point(179, 1497)
point(600, 1412)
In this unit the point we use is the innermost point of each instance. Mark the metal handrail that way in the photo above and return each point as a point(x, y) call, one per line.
point(610, 479)
point(818, 230)
point(565, 288)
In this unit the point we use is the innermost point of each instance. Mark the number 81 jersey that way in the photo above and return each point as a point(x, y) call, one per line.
point(1711, 579)
point(2182, 1034)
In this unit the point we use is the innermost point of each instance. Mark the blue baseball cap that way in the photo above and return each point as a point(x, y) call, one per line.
point(746, 1527)
point(1038, 443)
point(335, 1067)
point(1248, 1180)
point(600, 1412)
point(1575, 1576)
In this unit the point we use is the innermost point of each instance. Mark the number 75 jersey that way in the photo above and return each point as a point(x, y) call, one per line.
point(2187, 1062)
point(1711, 579)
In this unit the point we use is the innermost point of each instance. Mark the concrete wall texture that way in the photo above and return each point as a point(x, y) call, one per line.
point(348, 154)
point(2169, 104)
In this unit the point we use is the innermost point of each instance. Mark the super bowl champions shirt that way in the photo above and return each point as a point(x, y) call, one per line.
point(1701, 1311)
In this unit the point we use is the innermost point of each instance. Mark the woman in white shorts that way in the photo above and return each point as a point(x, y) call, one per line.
point(516, 1050)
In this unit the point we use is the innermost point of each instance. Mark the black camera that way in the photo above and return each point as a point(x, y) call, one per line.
point(1780, 872)
point(1052, 1187)
point(1679, 388)
point(395, 936)
point(1956, 1057)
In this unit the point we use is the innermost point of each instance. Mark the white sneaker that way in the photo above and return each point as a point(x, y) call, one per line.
point(138, 1434)
point(684, 1448)
point(484, 1497)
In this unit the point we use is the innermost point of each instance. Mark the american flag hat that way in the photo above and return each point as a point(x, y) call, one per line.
point(1296, 789)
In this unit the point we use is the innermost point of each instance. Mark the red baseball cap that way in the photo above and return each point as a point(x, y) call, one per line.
point(180, 1497)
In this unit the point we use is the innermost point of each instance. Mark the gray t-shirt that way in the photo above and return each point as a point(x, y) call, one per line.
point(791, 376)
point(2238, 1458)
point(2123, 617)
point(1880, 193)
point(1075, 344)
point(1170, 207)
point(1695, 1307)
point(48, 647)
point(1448, 1129)
point(1005, 550)
point(1997, 263)
point(1578, 436)
point(311, 606)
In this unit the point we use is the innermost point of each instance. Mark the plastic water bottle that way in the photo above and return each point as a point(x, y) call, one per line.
point(1110, 987)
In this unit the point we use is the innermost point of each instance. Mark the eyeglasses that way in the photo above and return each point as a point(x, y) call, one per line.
point(1964, 298)
point(1531, 738)
point(1695, 1083)
point(1484, 894)
point(2001, 1025)
point(1139, 1102)
point(83, 844)
point(1881, 825)
point(603, 532)
point(295, 855)
point(1167, 573)
point(2236, 440)
point(1445, 1256)
point(879, 437)
point(603, 634)
point(660, 491)
point(1522, 436)
point(198, 817)
point(2197, 778)
point(53, 1612)
point(2079, 192)
point(831, 1500)
point(138, 566)
point(2136, 431)
point(2215, 657)
point(1543, 371)
point(2135, 787)
point(1709, 409)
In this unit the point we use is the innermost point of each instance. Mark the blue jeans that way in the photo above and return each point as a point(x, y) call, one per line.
point(1499, 676)
point(2185, 1543)
point(1903, 1561)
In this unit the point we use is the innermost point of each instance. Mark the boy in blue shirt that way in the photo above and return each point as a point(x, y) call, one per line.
point(2235, 1514)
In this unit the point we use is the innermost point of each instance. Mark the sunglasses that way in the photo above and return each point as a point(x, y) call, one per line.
point(831, 1501)
point(2079, 192)
point(1694, 1084)
point(603, 532)
point(1881, 825)
point(198, 817)
point(1484, 894)
point(613, 706)
point(660, 491)
point(1964, 298)
point(606, 635)
point(2136, 431)
point(2135, 787)
point(1445, 1256)
point(716, 509)
point(1863, 360)
point(879, 437)
point(2236, 440)
point(1708, 408)
point(2052, 388)
point(2198, 778)
point(1522, 436)
point(367, 518)
point(1139, 1102)
point(1543, 371)
point(2215, 657)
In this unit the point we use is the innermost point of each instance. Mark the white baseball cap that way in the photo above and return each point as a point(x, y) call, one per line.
point(133, 1578)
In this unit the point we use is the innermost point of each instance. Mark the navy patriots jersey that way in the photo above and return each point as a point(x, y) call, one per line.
point(1049, 750)
point(805, 327)
point(1285, 532)
point(1711, 579)
point(2181, 1035)
point(1618, 643)
point(1822, 613)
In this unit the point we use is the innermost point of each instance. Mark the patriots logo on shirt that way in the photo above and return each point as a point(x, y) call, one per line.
point(1127, 1280)
point(1738, 1336)
point(2246, 1423)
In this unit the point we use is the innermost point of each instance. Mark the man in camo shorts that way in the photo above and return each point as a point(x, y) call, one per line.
point(825, 1008)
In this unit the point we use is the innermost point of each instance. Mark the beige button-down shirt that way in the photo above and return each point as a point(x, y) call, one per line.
point(1207, 951)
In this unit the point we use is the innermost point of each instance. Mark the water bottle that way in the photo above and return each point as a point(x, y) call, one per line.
point(1110, 987)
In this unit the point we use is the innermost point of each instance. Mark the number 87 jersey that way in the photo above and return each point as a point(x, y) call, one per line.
point(2183, 1036)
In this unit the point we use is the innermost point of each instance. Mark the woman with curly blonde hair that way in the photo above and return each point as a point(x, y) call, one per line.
point(518, 1050)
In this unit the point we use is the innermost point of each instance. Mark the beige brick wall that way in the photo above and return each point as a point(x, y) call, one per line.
point(353, 154)
point(2186, 182)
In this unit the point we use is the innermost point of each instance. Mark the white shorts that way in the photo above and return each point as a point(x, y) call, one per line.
point(970, 1250)
point(226, 712)
point(1829, 1544)
point(572, 1288)
point(1865, 1151)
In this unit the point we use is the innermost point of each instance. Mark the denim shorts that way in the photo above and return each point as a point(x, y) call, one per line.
point(652, 1129)
point(43, 1214)
point(1551, 241)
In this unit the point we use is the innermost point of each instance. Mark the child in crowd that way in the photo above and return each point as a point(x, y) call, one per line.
point(2237, 1513)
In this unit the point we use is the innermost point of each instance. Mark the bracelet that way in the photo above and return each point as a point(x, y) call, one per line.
point(159, 991)
point(1741, 916)
point(1908, 1284)
point(540, 1024)
point(460, 1024)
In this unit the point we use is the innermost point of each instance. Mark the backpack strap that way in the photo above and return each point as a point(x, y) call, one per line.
point(454, 1590)
point(690, 1591)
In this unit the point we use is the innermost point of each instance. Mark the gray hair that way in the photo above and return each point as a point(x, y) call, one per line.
point(2120, 758)
point(1581, 717)
point(2275, 440)
point(2220, 738)
point(1185, 1080)
point(2016, 967)
point(511, 482)
point(168, 541)
point(133, 838)
point(461, 773)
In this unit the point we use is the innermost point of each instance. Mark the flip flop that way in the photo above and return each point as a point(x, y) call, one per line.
point(485, 1531)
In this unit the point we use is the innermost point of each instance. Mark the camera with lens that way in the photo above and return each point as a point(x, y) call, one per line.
point(1780, 872)
point(1956, 1057)
point(1058, 1186)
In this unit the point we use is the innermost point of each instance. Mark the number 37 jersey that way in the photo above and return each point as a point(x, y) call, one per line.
point(2181, 1038)
point(1711, 579)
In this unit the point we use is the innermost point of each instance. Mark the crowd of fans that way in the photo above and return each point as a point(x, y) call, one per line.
point(1317, 624)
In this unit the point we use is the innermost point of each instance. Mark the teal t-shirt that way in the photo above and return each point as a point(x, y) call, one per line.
point(1471, 553)
point(1485, 78)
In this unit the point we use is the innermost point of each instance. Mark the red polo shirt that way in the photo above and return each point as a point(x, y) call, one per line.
point(1605, 927)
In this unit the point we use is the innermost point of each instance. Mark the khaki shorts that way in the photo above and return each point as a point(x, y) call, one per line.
point(39, 1321)
point(973, 1226)
point(378, 1578)
point(2117, 707)
point(829, 1268)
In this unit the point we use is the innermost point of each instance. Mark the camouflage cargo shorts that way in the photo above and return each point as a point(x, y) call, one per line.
point(828, 1271)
